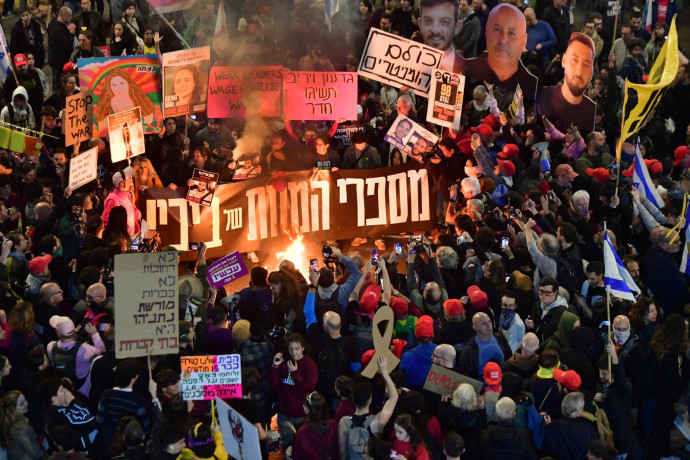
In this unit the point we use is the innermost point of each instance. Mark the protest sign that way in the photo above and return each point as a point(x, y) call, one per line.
point(201, 187)
point(384, 316)
point(208, 377)
point(247, 166)
point(184, 81)
point(319, 95)
point(445, 99)
point(516, 104)
point(252, 214)
point(226, 270)
point(444, 381)
point(123, 82)
point(342, 138)
point(126, 134)
point(399, 61)
point(240, 436)
point(83, 168)
point(410, 138)
point(78, 118)
point(146, 298)
point(231, 90)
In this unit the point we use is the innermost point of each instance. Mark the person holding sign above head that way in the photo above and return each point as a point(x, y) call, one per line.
point(567, 103)
point(506, 38)
point(438, 24)
point(120, 93)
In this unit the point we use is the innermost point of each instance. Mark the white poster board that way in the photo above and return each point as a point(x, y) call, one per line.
point(411, 138)
point(126, 134)
point(240, 438)
point(83, 168)
point(445, 99)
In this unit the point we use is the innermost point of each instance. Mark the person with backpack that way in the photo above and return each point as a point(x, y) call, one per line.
point(70, 358)
point(330, 296)
point(354, 431)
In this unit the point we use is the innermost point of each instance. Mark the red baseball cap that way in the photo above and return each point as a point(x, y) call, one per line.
point(569, 379)
point(491, 120)
point(20, 59)
point(483, 129)
point(566, 170)
point(600, 174)
point(424, 327)
point(369, 301)
point(509, 151)
point(507, 166)
point(478, 297)
point(453, 307)
point(679, 154)
point(399, 306)
point(492, 373)
point(39, 263)
point(367, 356)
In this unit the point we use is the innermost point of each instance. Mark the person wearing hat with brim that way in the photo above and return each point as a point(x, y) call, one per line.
point(455, 329)
point(121, 195)
point(361, 310)
point(27, 78)
point(60, 352)
point(417, 361)
point(39, 273)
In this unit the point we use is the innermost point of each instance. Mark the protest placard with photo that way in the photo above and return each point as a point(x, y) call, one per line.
point(205, 377)
point(185, 76)
point(247, 166)
point(231, 90)
point(445, 99)
point(319, 95)
point(413, 140)
point(201, 187)
point(78, 118)
point(399, 61)
point(126, 134)
point(83, 168)
point(342, 138)
point(120, 83)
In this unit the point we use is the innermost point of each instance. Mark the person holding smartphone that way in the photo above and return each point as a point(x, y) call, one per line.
point(292, 378)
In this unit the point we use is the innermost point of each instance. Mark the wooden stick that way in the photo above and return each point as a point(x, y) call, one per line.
point(608, 320)
point(615, 21)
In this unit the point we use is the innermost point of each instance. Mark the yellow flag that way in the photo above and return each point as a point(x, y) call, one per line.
point(641, 99)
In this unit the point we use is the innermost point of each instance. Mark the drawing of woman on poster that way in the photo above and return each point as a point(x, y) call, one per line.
point(120, 93)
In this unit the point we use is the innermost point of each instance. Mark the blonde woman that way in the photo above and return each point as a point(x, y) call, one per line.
point(16, 435)
point(145, 176)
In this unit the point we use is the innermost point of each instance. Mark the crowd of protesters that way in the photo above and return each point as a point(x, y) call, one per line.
point(508, 291)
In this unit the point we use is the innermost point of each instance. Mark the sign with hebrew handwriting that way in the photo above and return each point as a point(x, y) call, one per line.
point(445, 99)
point(184, 81)
point(444, 381)
point(399, 61)
point(83, 168)
point(240, 436)
point(226, 270)
point(234, 90)
point(253, 215)
point(78, 118)
point(146, 304)
point(208, 377)
point(320, 95)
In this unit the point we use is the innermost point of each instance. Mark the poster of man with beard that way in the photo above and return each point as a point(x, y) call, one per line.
point(565, 104)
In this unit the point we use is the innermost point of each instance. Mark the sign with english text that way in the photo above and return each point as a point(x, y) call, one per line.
point(398, 61)
point(444, 381)
point(320, 95)
point(233, 90)
point(445, 99)
point(252, 215)
point(78, 118)
point(226, 270)
point(83, 168)
point(208, 377)
point(146, 304)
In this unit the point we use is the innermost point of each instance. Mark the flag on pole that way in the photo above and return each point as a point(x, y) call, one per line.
point(616, 277)
point(170, 6)
point(221, 35)
point(641, 99)
point(685, 260)
point(647, 16)
point(5, 64)
point(643, 181)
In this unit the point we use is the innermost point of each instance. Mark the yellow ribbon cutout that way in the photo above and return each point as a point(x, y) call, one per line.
point(382, 342)
point(681, 220)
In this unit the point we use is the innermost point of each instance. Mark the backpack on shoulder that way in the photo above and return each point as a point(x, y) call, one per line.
point(602, 421)
point(358, 434)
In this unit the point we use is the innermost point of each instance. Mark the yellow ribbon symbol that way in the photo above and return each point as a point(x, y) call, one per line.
point(382, 342)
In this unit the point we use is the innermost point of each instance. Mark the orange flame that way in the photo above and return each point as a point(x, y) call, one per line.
point(296, 253)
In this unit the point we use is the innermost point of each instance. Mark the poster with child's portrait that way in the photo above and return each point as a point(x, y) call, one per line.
point(185, 81)
point(201, 187)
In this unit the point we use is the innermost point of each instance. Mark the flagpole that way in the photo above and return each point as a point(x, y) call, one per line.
point(615, 21)
point(608, 322)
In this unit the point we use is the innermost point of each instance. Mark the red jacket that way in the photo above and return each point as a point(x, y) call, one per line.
point(311, 444)
point(293, 387)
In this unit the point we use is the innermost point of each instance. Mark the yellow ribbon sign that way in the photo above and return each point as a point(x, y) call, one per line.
point(382, 342)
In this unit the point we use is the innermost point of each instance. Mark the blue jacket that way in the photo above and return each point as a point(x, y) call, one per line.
point(416, 363)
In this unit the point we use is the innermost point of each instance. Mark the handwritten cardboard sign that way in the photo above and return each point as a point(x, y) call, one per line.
point(412, 139)
point(444, 381)
point(320, 95)
point(445, 99)
point(126, 134)
point(240, 437)
point(208, 377)
point(398, 61)
point(146, 304)
point(78, 118)
point(226, 270)
point(233, 90)
point(83, 168)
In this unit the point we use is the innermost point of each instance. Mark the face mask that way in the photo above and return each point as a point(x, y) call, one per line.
point(622, 337)
point(507, 316)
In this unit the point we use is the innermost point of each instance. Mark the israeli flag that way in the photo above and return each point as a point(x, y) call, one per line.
point(643, 182)
point(616, 277)
point(5, 64)
point(685, 260)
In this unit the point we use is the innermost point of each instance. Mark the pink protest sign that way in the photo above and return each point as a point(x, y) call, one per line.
point(234, 90)
point(205, 377)
point(320, 95)
point(226, 270)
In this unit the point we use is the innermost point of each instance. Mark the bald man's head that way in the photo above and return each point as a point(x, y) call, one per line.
point(530, 17)
point(444, 355)
point(481, 323)
point(287, 265)
point(47, 290)
point(331, 321)
point(621, 320)
point(96, 292)
point(530, 343)
point(506, 37)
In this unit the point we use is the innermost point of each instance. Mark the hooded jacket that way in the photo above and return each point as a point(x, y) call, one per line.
point(576, 357)
point(524, 366)
point(546, 320)
point(21, 116)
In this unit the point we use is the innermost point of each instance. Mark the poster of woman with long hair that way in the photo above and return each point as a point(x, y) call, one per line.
point(185, 81)
point(123, 83)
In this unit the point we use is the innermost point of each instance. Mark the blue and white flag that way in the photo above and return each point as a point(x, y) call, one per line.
point(685, 260)
point(616, 277)
point(5, 64)
point(643, 181)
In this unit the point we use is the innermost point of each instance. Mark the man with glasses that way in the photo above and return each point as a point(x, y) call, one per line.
point(49, 297)
point(98, 301)
point(511, 324)
point(444, 356)
point(484, 347)
point(547, 311)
